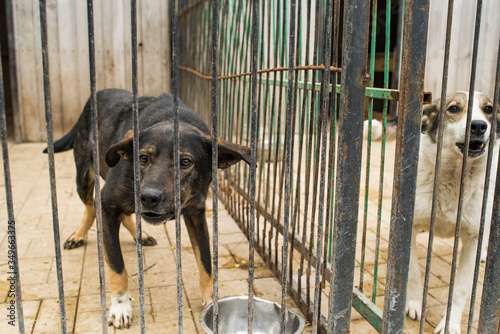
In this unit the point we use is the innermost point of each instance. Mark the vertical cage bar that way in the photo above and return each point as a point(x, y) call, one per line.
point(287, 162)
point(253, 167)
point(52, 172)
point(177, 187)
point(135, 110)
point(464, 164)
point(373, 38)
point(215, 221)
point(11, 228)
point(405, 166)
point(352, 101)
point(95, 156)
point(324, 133)
point(484, 208)
point(444, 89)
point(382, 150)
point(489, 316)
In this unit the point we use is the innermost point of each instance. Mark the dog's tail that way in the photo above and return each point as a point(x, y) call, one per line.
point(66, 142)
point(377, 129)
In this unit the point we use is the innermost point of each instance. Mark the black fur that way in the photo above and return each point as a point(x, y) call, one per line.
point(156, 116)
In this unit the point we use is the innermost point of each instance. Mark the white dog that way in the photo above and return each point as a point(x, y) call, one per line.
point(449, 184)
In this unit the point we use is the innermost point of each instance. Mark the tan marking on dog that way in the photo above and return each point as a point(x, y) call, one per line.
point(458, 99)
point(128, 135)
point(206, 280)
point(118, 282)
point(86, 224)
point(129, 224)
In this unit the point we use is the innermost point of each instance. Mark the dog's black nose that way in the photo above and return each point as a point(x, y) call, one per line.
point(150, 198)
point(478, 127)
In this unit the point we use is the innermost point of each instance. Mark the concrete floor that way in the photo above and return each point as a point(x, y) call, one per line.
point(33, 213)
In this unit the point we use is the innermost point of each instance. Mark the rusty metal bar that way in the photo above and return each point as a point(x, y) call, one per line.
point(354, 59)
point(405, 167)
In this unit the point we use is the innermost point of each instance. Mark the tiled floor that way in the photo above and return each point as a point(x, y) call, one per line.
point(31, 188)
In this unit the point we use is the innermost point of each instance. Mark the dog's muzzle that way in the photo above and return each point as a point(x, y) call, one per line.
point(154, 218)
point(478, 142)
point(476, 147)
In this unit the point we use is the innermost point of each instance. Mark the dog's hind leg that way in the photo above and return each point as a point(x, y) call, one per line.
point(200, 240)
point(130, 225)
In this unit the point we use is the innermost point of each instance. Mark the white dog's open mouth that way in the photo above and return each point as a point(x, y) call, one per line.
point(476, 148)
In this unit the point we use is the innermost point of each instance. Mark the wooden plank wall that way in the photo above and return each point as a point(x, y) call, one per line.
point(461, 46)
point(68, 57)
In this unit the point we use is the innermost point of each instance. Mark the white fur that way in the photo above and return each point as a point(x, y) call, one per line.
point(446, 215)
point(120, 312)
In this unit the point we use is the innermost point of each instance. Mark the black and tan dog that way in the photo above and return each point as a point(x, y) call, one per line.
point(156, 141)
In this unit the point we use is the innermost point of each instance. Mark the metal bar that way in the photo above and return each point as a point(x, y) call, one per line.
point(382, 150)
point(287, 162)
point(354, 59)
point(369, 143)
point(13, 70)
point(215, 221)
point(52, 172)
point(367, 309)
point(405, 166)
point(493, 135)
point(175, 90)
point(137, 174)
point(13, 260)
point(253, 169)
point(95, 156)
point(324, 134)
point(489, 316)
point(444, 89)
point(464, 164)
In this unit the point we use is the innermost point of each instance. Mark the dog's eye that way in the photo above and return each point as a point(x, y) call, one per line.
point(453, 109)
point(488, 109)
point(185, 162)
point(143, 159)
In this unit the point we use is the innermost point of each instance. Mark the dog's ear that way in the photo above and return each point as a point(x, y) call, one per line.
point(230, 153)
point(429, 117)
point(120, 150)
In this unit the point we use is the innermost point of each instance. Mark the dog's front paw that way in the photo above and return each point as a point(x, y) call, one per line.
point(120, 312)
point(73, 242)
point(453, 329)
point(414, 309)
point(148, 241)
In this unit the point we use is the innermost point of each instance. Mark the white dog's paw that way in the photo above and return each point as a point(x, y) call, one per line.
point(414, 309)
point(453, 329)
point(120, 312)
point(376, 130)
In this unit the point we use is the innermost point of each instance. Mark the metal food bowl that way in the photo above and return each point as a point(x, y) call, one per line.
point(233, 317)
